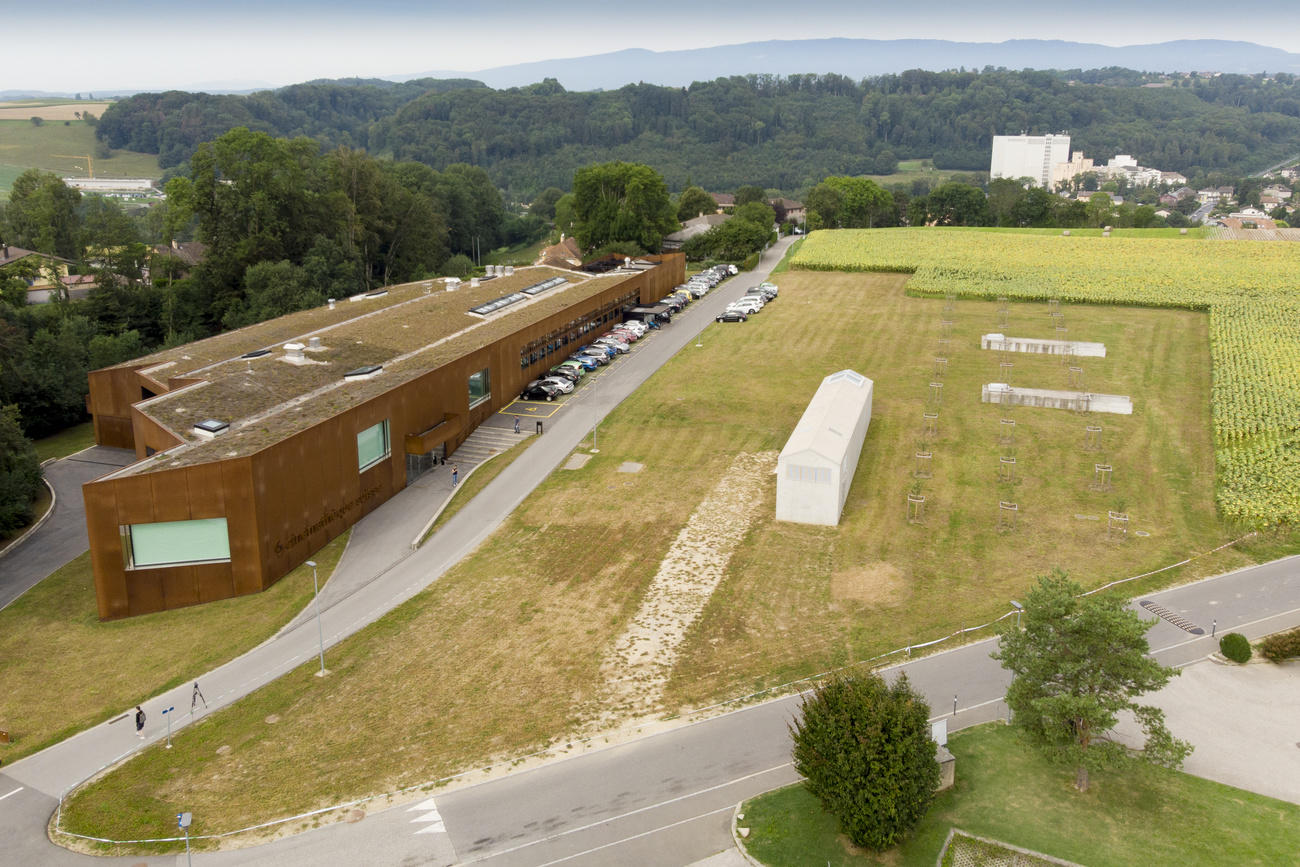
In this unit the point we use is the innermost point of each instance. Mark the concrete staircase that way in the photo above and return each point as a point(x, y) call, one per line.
point(485, 442)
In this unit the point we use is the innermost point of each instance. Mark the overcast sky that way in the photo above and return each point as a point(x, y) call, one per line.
point(88, 45)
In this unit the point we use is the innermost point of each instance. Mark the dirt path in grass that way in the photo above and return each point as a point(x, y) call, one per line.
point(644, 655)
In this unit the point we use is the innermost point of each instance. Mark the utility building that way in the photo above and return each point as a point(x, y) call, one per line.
point(816, 467)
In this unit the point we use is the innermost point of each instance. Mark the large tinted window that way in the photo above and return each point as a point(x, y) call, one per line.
point(479, 387)
point(372, 445)
point(170, 542)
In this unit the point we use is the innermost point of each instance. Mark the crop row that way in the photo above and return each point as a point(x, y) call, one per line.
point(1251, 290)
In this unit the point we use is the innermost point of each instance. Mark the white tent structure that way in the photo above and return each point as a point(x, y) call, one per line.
point(816, 466)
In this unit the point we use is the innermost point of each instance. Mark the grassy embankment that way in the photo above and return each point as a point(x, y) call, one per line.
point(1135, 816)
point(502, 655)
point(63, 670)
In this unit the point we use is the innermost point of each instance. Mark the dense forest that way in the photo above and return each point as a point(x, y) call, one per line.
point(784, 133)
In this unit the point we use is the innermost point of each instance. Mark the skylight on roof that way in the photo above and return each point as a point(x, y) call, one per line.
point(539, 288)
point(210, 427)
point(364, 372)
point(499, 303)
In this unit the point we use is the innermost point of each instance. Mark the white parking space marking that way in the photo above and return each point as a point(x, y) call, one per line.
point(14, 792)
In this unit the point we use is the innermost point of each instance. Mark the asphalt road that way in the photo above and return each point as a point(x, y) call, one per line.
point(63, 535)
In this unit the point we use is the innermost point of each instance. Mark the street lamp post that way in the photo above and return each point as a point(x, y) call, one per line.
point(320, 632)
point(1019, 608)
point(166, 716)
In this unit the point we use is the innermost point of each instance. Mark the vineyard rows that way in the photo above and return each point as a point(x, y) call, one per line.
point(1251, 290)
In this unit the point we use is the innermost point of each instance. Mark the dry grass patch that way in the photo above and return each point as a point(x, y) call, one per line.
point(868, 584)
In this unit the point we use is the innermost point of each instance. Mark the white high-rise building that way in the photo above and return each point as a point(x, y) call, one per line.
point(1029, 156)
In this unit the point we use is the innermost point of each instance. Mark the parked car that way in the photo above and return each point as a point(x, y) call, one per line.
point(585, 360)
point(627, 335)
point(635, 325)
point(768, 285)
point(572, 374)
point(606, 351)
point(573, 367)
point(613, 343)
point(732, 316)
point(758, 292)
point(562, 383)
point(539, 390)
point(746, 305)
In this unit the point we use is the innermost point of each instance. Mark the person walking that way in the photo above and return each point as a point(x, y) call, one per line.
point(455, 474)
point(516, 424)
point(139, 722)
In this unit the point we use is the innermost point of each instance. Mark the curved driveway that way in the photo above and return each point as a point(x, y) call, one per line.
point(63, 535)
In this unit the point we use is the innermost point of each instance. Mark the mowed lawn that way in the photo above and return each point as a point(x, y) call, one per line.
point(63, 670)
point(1133, 816)
point(502, 655)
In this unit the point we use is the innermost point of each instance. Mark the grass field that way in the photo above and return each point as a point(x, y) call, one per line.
point(503, 655)
point(1135, 816)
point(50, 110)
point(1247, 287)
point(62, 670)
point(911, 170)
point(24, 146)
point(66, 442)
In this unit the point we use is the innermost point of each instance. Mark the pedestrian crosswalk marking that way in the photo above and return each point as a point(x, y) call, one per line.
point(429, 817)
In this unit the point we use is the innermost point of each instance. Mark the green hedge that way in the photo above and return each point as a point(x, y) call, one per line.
point(1235, 647)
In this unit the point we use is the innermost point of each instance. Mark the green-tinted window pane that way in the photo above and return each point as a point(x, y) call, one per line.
point(372, 445)
point(179, 542)
point(479, 387)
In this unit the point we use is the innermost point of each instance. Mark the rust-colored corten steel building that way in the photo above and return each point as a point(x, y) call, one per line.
point(256, 447)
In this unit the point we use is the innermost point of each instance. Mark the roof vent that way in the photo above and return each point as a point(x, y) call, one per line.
point(368, 372)
point(473, 282)
point(256, 353)
point(331, 303)
point(314, 343)
point(510, 270)
point(293, 351)
point(208, 428)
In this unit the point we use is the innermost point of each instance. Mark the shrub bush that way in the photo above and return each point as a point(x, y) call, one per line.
point(750, 263)
point(1283, 645)
point(1235, 647)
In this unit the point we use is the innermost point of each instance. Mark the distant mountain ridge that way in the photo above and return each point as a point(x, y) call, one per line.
point(859, 58)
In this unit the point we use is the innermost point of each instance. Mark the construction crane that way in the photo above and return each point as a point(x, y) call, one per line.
point(90, 164)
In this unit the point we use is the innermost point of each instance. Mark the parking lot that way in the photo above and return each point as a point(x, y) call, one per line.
point(571, 379)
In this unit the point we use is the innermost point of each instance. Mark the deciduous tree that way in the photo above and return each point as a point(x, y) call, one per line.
point(615, 202)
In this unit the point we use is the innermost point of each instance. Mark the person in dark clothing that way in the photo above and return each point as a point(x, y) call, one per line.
point(455, 474)
point(139, 722)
